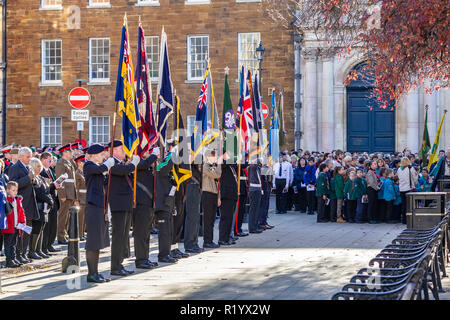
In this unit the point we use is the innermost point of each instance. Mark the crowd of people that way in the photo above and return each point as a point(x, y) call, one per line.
point(39, 185)
point(353, 187)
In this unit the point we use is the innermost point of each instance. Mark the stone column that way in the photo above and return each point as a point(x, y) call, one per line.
point(412, 116)
point(328, 113)
point(340, 131)
point(310, 100)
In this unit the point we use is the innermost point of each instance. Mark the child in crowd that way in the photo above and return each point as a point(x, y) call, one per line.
point(351, 193)
point(310, 181)
point(339, 184)
point(389, 195)
point(361, 214)
point(15, 215)
point(397, 201)
point(322, 192)
point(381, 203)
point(333, 199)
point(423, 184)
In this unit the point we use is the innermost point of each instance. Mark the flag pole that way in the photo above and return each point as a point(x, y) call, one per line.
point(111, 155)
point(157, 143)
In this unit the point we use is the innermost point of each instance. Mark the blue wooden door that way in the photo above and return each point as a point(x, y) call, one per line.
point(369, 127)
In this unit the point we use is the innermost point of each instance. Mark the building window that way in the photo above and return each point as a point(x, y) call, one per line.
point(197, 2)
point(198, 52)
point(99, 3)
point(99, 60)
point(247, 44)
point(190, 125)
point(51, 4)
point(51, 131)
point(147, 3)
point(51, 61)
point(152, 48)
point(99, 130)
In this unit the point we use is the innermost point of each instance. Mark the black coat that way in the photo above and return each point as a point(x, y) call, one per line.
point(121, 190)
point(53, 192)
point(95, 182)
point(244, 183)
point(144, 186)
point(43, 195)
point(164, 184)
point(19, 173)
point(228, 182)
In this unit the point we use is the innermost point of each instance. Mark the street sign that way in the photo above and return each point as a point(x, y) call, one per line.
point(79, 98)
point(79, 115)
point(265, 110)
point(80, 126)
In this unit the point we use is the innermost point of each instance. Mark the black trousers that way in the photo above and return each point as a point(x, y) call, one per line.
point(227, 209)
point(178, 219)
point(333, 210)
point(372, 213)
point(264, 207)
point(50, 229)
point(320, 209)
point(192, 223)
point(301, 199)
point(142, 223)
point(290, 199)
point(311, 201)
point(165, 228)
point(403, 211)
point(389, 210)
point(351, 210)
point(255, 202)
point(281, 197)
point(381, 208)
point(209, 203)
point(10, 242)
point(240, 213)
point(120, 236)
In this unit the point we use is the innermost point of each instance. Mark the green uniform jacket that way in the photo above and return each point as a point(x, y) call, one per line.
point(339, 186)
point(322, 185)
point(361, 187)
point(351, 189)
point(332, 189)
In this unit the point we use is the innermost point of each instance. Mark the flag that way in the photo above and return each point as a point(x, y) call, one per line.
point(245, 110)
point(228, 121)
point(206, 128)
point(282, 134)
point(274, 146)
point(433, 156)
point(125, 96)
point(426, 146)
point(259, 118)
point(181, 172)
point(165, 94)
point(147, 131)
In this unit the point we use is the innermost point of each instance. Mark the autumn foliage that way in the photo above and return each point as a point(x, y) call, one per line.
point(406, 42)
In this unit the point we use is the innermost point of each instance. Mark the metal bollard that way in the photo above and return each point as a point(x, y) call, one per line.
point(73, 248)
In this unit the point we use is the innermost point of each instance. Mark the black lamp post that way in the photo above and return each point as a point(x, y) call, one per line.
point(260, 55)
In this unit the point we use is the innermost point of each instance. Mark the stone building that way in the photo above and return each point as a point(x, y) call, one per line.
point(51, 43)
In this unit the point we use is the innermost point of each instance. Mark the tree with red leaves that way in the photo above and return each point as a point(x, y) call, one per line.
point(405, 42)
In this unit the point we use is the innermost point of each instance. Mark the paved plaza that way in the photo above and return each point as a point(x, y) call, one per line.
point(298, 259)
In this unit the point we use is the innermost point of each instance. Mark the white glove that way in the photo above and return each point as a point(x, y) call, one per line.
point(109, 163)
point(155, 151)
point(135, 160)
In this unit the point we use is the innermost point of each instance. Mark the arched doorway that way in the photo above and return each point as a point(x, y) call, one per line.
point(369, 127)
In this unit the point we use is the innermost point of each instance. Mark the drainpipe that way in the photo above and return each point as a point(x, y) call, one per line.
point(297, 85)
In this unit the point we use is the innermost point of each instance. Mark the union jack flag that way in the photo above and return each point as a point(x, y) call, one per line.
point(244, 108)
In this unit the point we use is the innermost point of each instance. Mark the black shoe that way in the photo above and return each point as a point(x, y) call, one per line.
point(21, 260)
point(322, 221)
point(121, 273)
point(11, 264)
point(211, 245)
point(242, 234)
point(167, 259)
point(154, 231)
point(62, 242)
point(17, 262)
point(34, 256)
point(180, 254)
point(82, 239)
point(256, 231)
point(373, 222)
point(234, 238)
point(51, 249)
point(45, 251)
point(225, 243)
point(144, 265)
point(194, 250)
point(128, 271)
point(43, 255)
point(95, 278)
point(102, 277)
point(310, 213)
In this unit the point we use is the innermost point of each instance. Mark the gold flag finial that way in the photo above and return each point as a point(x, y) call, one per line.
point(227, 70)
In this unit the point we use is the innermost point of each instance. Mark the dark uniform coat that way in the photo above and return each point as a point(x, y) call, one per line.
point(96, 226)
point(144, 188)
point(43, 195)
point(228, 182)
point(165, 182)
point(121, 188)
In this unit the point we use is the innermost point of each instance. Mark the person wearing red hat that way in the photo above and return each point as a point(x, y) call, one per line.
point(81, 188)
point(68, 195)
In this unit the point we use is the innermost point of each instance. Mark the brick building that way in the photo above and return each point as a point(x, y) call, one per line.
point(54, 42)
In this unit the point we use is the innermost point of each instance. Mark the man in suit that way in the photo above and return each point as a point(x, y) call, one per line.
point(68, 196)
point(228, 199)
point(144, 211)
point(49, 235)
point(165, 205)
point(23, 174)
point(121, 205)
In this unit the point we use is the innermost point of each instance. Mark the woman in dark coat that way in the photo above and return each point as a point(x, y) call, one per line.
point(44, 203)
point(96, 226)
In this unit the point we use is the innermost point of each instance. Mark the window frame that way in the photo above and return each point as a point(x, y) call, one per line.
point(99, 5)
point(239, 51)
point(188, 47)
point(91, 124)
point(153, 79)
point(43, 141)
point(151, 3)
point(50, 6)
point(190, 128)
point(99, 80)
point(194, 2)
point(43, 65)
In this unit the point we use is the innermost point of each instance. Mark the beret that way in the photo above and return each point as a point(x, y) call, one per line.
point(95, 149)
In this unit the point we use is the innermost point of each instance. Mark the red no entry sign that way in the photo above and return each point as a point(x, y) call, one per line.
point(79, 98)
point(265, 110)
